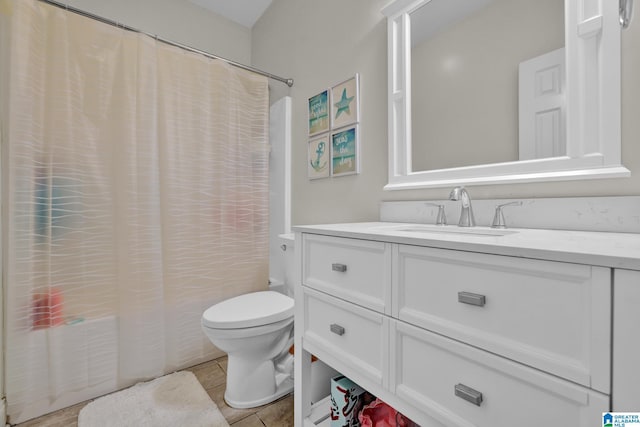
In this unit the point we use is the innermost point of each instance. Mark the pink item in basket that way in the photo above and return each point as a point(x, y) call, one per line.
point(379, 414)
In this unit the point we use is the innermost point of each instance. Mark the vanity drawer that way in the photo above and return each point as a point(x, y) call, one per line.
point(349, 336)
point(463, 386)
point(357, 271)
point(550, 315)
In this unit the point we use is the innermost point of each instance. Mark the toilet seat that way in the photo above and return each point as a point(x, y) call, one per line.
point(249, 310)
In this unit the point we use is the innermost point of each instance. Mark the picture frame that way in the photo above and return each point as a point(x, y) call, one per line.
point(345, 102)
point(345, 151)
point(318, 113)
point(318, 157)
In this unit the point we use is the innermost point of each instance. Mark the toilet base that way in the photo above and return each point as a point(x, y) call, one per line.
point(284, 387)
point(252, 383)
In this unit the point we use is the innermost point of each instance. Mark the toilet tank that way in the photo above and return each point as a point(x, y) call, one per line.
point(282, 280)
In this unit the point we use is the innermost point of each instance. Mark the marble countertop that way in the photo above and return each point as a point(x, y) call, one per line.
point(616, 250)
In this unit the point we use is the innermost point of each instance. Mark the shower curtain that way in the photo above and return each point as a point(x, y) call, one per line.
point(135, 190)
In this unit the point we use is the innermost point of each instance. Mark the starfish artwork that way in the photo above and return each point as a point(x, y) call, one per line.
point(343, 104)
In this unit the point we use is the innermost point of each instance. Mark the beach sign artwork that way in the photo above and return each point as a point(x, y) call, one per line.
point(319, 113)
point(344, 158)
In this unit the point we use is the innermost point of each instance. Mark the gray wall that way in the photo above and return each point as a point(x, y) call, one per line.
point(320, 43)
point(177, 20)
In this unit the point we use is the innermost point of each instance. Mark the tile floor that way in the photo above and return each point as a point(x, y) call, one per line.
point(212, 376)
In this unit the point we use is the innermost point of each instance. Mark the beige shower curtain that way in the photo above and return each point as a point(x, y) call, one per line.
point(135, 185)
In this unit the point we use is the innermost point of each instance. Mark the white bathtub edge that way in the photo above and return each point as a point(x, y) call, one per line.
point(3, 411)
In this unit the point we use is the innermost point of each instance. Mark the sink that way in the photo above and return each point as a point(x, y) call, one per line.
point(452, 229)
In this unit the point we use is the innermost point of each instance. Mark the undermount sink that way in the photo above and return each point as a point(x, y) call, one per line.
point(452, 229)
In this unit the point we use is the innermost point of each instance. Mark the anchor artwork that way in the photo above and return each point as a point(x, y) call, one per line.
point(318, 157)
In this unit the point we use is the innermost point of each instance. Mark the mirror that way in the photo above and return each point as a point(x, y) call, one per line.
point(498, 91)
point(465, 62)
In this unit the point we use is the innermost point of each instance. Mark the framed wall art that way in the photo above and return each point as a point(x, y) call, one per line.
point(318, 113)
point(345, 103)
point(345, 151)
point(318, 157)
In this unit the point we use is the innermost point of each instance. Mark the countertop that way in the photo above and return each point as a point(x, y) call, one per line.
point(615, 250)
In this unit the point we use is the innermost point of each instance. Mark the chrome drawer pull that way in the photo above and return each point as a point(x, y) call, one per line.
point(468, 394)
point(337, 329)
point(339, 267)
point(473, 299)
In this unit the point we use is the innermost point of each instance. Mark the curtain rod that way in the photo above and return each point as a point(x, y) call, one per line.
point(288, 82)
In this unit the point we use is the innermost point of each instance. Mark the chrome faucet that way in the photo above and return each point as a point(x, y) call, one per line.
point(442, 218)
point(466, 215)
point(498, 218)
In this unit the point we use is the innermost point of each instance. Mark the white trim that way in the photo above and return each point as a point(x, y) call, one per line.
point(593, 105)
point(279, 186)
point(287, 162)
point(410, 181)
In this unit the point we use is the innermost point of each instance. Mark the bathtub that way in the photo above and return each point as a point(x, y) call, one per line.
point(73, 363)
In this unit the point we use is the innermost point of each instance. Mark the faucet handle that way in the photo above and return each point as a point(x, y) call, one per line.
point(498, 218)
point(441, 219)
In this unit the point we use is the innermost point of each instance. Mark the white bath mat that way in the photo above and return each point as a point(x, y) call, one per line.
point(174, 400)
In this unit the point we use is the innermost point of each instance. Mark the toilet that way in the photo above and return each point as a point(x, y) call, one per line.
point(256, 332)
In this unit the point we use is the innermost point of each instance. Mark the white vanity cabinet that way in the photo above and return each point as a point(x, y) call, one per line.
point(544, 314)
point(626, 341)
point(459, 385)
point(453, 337)
point(357, 337)
point(354, 270)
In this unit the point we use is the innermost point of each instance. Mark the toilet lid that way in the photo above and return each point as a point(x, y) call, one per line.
point(248, 310)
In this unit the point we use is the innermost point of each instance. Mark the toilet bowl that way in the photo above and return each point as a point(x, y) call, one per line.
point(256, 331)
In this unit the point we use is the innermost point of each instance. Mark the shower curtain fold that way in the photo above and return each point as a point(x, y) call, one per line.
point(135, 177)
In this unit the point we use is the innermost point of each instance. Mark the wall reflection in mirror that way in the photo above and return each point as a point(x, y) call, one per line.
point(487, 82)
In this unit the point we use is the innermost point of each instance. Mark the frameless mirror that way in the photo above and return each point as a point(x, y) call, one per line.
point(497, 91)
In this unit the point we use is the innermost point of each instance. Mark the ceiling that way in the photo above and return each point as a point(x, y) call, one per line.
point(244, 12)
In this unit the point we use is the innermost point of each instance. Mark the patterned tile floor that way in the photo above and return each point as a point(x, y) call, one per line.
point(212, 376)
